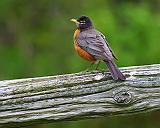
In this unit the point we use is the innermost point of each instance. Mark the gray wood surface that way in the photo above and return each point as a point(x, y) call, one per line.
point(79, 96)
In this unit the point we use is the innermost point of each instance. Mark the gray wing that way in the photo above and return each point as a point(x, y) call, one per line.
point(109, 47)
point(94, 43)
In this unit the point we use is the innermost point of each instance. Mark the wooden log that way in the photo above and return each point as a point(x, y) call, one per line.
point(79, 96)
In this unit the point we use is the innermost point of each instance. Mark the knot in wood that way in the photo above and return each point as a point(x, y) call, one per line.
point(123, 97)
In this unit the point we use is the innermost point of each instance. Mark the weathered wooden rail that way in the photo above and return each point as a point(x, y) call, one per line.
point(79, 96)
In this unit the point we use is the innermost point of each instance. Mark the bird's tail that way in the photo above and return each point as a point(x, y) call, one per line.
point(115, 72)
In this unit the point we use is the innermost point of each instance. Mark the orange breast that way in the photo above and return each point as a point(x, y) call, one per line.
point(82, 53)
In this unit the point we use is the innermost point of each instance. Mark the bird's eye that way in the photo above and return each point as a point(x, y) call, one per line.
point(82, 22)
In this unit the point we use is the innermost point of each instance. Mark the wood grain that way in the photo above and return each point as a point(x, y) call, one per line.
point(79, 96)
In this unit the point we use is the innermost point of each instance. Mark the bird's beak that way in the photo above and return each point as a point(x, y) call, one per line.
point(75, 21)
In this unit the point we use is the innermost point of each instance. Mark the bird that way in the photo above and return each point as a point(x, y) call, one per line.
point(92, 45)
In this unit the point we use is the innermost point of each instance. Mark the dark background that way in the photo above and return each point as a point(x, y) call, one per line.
point(36, 40)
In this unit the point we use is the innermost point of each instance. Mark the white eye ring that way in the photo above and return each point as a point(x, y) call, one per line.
point(82, 22)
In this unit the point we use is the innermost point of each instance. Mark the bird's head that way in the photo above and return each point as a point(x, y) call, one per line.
point(83, 22)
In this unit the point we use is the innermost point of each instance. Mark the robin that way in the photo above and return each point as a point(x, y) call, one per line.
point(91, 45)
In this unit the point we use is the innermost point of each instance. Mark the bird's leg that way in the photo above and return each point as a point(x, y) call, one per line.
point(92, 63)
point(89, 67)
point(97, 63)
point(86, 70)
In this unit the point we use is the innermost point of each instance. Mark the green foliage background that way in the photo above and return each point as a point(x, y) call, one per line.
point(36, 40)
